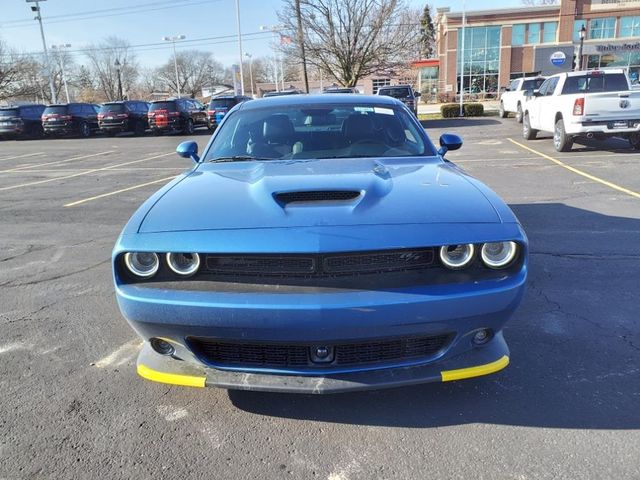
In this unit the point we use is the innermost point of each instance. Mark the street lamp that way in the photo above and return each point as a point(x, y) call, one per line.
point(173, 40)
point(36, 9)
point(583, 35)
point(118, 66)
point(250, 57)
point(61, 65)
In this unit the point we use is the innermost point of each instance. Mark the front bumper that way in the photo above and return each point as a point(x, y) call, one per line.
point(481, 361)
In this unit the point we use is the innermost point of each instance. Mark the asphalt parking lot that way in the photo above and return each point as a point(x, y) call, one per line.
point(72, 405)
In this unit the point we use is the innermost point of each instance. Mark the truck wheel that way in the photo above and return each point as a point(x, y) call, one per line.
point(503, 113)
point(561, 141)
point(519, 114)
point(527, 132)
point(85, 130)
point(634, 140)
point(139, 129)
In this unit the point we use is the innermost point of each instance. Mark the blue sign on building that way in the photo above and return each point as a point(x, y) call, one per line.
point(558, 59)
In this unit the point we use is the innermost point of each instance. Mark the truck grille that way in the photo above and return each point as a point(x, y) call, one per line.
point(321, 265)
point(275, 355)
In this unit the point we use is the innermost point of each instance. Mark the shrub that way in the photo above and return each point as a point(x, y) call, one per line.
point(473, 110)
point(450, 110)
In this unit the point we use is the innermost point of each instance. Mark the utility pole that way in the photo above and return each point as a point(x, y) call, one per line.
point(61, 63)
point(47, 66)
point(118, 66)
point(240, 45)
point(250, 57)
point(464, 23)
point(173, 40)
point(301, 42)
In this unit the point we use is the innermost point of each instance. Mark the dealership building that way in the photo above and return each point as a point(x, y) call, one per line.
point(500, 45)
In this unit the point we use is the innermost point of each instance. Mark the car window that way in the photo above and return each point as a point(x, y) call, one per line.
point(325, 131)
point(595, 82)
point(112, 108)
point(75, 109)
point(9, 112)
point(551, 86)
point(402, 92)
point(170, 106)
point(227, 103)
point(56, 110)
point(533, 84)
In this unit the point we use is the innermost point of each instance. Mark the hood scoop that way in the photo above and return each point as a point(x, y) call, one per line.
point(316, 196)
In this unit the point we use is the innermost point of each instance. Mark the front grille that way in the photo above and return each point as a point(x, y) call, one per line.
point(322, 265)
point(275, 355)
point(316, 196)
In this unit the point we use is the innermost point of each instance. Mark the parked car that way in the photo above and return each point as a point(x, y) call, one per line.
point(291, 91)
point(591, 104)
point(21, 121)
point(404, 93)
point(312, 259)
point(177, 115)
point(125, 116)
point(219, 106)
point(340, 90)
point(70, 119)
point(512, 99)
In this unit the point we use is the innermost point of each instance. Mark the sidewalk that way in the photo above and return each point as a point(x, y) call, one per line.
point(426, 108)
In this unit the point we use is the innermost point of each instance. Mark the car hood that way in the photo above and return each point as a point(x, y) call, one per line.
point(244, 195)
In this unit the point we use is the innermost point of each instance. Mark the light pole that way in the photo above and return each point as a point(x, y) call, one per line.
point(173, 40)
point(250, 57)
point(275, 29)
point(240, 46)
point(36, 9)
point(583, 35)
point(61, 64)
point(464, 23)
point(118, 66)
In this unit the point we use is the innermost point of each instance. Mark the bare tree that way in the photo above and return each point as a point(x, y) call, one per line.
point(196, 69)
point(16, 71)
point(102, 59)
point(350, 39)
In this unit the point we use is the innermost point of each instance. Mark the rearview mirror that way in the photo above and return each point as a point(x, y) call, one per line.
point(448, 142)
point(188, 150)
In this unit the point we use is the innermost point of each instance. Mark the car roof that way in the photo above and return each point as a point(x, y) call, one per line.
point(319, 100)
point(600, 71)
point(404, 85)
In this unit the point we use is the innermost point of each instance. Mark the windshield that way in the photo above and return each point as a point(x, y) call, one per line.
point(322, 131)
point(112, 108)
point(532, 84)
point(56, 110)
point(9, 112)
point(163, 106)
point(610, 82)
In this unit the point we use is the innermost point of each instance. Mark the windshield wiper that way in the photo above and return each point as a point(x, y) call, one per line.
point(233, 158)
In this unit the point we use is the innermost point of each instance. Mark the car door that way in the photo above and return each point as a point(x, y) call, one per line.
point(549, 106)
point(534, 105)
point(509, 100)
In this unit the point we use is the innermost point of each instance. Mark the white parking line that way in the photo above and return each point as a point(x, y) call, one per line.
point(57, 162)
point(123, 354)
point(122, 190)
point(22, 156)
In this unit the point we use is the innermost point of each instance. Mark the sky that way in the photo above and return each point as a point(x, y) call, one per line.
point(144, 22)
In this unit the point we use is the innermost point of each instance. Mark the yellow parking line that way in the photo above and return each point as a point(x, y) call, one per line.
point(97, 197)
point(57, 162)
point(579, 172)
point(87, 172)
point(22, 156)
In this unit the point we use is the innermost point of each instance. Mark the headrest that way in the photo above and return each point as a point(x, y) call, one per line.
point(358, 127)
point(278, 129)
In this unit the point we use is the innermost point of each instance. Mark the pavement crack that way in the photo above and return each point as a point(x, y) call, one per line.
point(588, 256)
point(56, 277)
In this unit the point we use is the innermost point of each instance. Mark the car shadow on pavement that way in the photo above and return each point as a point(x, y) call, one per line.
point(575, 343)
point(459, 122)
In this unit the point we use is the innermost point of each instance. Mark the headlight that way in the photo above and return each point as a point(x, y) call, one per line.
point(184, 264)
point(500, 254)
point(457, 256)
point(142, 264)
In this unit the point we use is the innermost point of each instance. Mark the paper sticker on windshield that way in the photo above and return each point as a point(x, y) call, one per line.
point(363, 109)
point(383, 111)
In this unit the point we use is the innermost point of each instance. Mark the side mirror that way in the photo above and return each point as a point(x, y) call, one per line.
point(448, 142)
point(188, 150)
point(417, 94)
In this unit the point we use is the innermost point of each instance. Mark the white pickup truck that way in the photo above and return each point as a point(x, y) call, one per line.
point(592, 104)
point(511, 101)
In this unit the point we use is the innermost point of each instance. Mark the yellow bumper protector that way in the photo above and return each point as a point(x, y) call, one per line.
point(171, 378)
point(486, 369)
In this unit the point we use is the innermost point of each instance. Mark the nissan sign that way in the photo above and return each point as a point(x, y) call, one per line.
point(558, 59)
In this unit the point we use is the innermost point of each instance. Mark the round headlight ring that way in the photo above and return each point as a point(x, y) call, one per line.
point(142, 264)
point(456, 257)
point(499, 254)
point(183, 264)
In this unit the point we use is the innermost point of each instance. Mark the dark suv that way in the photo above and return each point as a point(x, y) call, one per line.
point(179, 115)
point(22, 121)
point(404, 93)
point(219, 106)
point(70, 119)
point(126, 116)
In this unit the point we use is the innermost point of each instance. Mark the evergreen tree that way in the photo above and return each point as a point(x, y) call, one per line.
point(427, 34)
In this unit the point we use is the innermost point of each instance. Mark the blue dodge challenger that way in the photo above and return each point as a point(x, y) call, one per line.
point(320, 244)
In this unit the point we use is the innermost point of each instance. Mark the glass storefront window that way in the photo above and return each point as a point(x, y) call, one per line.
point(517, 34)
point(630, 60)
point(600, 28)
point(481, 59)
point(577, 26)
point(629, 27)
point(550, 30)
point(533, 36)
